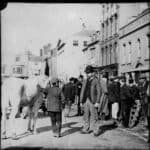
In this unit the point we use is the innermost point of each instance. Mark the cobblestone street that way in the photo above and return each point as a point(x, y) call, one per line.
point(72, 138)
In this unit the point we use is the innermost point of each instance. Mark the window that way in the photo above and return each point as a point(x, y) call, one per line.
point(139, 47)
point(85, 43)
point(123, 53)
point(130, 50)
point(41, 52)
point(75, 43)
point(17, 58)
point(102, 50)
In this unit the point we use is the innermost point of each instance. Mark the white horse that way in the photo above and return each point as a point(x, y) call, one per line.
point(11, 95)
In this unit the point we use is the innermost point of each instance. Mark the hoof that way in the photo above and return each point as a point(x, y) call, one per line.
point(14, 137)
point(35, 132)
point(4, 137)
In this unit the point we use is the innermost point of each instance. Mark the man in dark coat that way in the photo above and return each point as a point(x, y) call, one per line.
point(143, 86)
point(69, 93)
point(114, 97)
point(55, 100)
point(79, 86)
point(125, 101)
point(90, 97)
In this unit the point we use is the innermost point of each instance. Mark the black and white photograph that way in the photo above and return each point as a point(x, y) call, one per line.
point(75, 75)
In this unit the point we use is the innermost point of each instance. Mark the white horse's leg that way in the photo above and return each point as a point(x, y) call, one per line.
point(3, 127)
point(34, 122)
point(13, 120)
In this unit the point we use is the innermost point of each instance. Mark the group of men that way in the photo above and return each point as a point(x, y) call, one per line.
point(105, 97)
point(112, 97)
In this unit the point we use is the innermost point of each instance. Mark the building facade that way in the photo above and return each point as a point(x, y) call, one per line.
point(91, 51)
point(71, 60)
point(135, 45)
point(109, 38)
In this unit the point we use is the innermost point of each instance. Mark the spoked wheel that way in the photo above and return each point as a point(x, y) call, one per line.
point(134, 114)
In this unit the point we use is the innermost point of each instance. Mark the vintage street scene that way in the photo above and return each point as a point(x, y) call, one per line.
point(75, 76)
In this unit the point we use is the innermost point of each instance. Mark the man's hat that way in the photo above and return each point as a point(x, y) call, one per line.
point(111, 77)
point(54, 80)
point(89, 69)
point(142, 76)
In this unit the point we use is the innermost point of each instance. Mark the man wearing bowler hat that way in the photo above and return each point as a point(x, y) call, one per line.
point(89, 98)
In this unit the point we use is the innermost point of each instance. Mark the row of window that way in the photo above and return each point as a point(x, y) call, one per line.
point(109, 28)
point(76, 43)
point(127, 50)
point(18, 70)
point(109, 55)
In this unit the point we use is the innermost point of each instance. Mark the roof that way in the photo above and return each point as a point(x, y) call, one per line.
point(85, 33)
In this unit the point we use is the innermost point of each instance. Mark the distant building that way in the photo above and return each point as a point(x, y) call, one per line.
point(91, 51)
point(71, 60)
point(26, 65)
point(135, 45)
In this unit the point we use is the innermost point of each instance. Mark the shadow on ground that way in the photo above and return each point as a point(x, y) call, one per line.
point(70, 131)
point(47, 128)
point(23, 148)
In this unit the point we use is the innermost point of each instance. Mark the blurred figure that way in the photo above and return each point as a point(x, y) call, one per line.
point(55, 100)
point(89, 97)
point(125, 101)
point(114, 98)
point(79, 87)
point(148, 114)
point(143, 86)
point(69, 93)
point(103, 109)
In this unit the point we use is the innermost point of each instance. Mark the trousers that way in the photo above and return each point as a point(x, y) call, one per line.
point(56, 120)
point(90, 116)
point(115, 109)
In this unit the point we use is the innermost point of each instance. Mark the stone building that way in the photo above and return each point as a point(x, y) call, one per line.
point(71, 60)
point(109, 38)
point(135, 45)
point(115, 16)
point(91, 51)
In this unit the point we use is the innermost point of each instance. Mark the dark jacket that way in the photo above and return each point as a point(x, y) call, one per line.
point(94, 91)
point(125, 93)
point(55, 99)
point(69, 92)
point(113, 92)
point(134, 92)
point(79, 87)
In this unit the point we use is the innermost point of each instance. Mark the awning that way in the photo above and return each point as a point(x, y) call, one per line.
point(107, 68)
point(139, 69)
point(89, 45)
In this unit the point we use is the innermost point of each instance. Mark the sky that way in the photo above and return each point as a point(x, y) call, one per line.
point(31, 26)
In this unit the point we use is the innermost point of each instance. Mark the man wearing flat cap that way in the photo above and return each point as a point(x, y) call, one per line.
point(89, 98)
point(55, 100)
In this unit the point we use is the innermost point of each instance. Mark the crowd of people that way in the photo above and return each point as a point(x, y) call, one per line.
point(99, 97)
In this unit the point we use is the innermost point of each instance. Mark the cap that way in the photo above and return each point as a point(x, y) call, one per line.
point(54, 80)
point(89, 69)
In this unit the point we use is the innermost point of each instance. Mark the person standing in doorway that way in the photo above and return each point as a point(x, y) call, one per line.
point(89, 98)
point(55, 100)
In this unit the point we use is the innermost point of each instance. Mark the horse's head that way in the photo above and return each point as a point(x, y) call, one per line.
point(43, 81)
